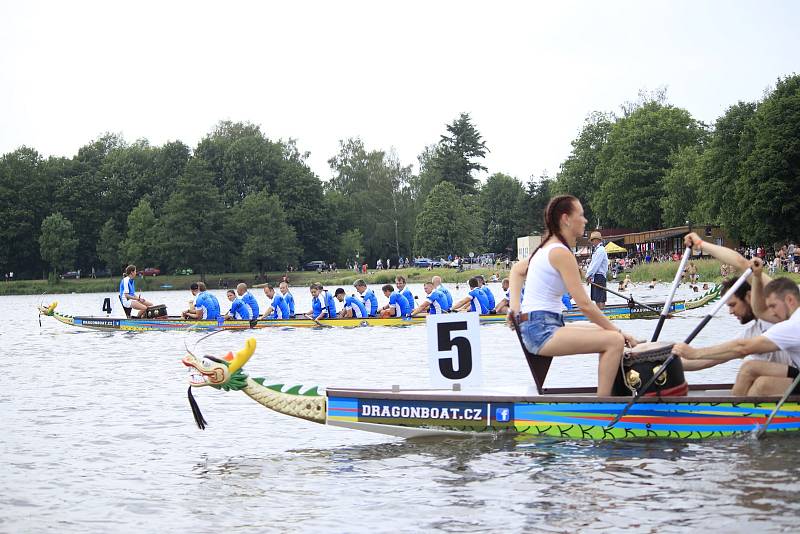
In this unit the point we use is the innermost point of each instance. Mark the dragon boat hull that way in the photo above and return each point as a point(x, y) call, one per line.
point(571, 413)
point(413, 414)
point(615, 312)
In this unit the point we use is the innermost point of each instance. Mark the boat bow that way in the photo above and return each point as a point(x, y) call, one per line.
point(227, 374)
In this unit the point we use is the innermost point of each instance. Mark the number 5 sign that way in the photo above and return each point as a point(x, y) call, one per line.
point(454, 349)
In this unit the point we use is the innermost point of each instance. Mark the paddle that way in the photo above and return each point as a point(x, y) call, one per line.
point(688, 340)
point(675, 283)
point(761, 430)
point(307, 316)
point(629, 299)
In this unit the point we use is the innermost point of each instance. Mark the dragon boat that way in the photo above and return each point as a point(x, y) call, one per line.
point(625, 311)
point(571, 413)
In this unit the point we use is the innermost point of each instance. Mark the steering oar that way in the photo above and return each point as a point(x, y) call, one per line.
point(628, 298)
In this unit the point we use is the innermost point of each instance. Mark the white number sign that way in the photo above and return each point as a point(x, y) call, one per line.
point(454, 349)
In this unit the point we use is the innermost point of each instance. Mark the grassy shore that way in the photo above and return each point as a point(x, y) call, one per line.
point(663, 272)
point(708, 269)
point(218, 281)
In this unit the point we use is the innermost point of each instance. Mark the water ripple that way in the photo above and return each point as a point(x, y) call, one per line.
point(98, 437)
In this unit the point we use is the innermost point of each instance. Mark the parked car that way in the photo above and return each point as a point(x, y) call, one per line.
point(70, 274)
point(316, 265)
point(184, 271)
point(103, 273)
point(151, 271)
point(426, 262)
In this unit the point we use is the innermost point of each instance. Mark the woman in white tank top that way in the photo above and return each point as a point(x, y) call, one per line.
point(549, 273)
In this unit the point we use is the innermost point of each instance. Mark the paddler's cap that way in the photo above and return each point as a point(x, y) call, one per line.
point(595, 235)
point(194, 286)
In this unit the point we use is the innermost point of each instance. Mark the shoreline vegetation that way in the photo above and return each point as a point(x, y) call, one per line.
point(329, 279)
point(652, 166)
point(663, 272)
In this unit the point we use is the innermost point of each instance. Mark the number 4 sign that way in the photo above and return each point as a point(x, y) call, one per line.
point(454, 349)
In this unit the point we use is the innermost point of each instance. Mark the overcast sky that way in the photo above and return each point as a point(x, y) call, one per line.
point(392, 73)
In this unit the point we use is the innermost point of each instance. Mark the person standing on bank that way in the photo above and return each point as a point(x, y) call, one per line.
point(547, 274)
point(598, 269)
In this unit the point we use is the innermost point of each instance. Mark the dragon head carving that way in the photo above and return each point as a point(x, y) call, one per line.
point(221, 373)
point(49, 310)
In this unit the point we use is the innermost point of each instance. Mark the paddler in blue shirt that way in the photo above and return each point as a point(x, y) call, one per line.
point(206, 306)
point(367, 297)
point(439, 286)
point(474, 301)
point(322, 303)
point(276, 304)
point(239, 311)
point(353, 307)
point(398, 304)
point(403, 290)
point(288, 297)
point(489, 295)
point(434, 303)
point(248, 299)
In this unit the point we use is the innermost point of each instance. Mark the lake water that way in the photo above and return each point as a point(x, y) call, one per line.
point(97, 436)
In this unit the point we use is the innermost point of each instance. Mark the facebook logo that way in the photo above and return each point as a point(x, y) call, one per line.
point(502, 415)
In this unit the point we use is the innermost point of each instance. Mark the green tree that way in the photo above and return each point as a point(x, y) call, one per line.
point(57, 242)
point(454, 159)
point(142, 242)
point(82, 195)
point(682, 185)
point(503, 202)
point(577, 175)
point(445, 225)
point(108, 245)
point(301, 195)
point(768, 186)
point(192, 237)
point(242, 159)
point(277, 249)
point(25, 200)
point(212, 147)
point(458, 153)
point(351, 247)
point(719, 167)
point(375, 185)
point(634, 160)
point(539, 192)
point(141, 172)
point(428, 177)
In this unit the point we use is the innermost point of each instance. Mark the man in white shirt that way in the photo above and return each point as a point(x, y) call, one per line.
point(597, 271)
point(778, 301)
point(738, 306)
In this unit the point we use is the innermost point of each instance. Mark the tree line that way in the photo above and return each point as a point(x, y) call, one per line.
point(653, 166)
point(241, 202)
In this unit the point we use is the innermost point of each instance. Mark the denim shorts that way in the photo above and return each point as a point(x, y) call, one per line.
point(539, 328)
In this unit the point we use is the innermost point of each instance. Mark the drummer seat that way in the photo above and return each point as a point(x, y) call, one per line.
point(538, 364)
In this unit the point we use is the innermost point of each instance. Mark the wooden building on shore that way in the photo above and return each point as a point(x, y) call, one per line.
point(664, 241)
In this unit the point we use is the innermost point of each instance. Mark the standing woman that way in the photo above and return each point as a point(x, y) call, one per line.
point(547, 274)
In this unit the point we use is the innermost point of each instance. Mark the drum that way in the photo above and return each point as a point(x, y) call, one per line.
point(153, 312)
point(640, 363)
